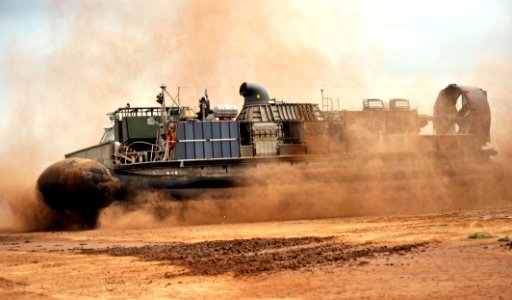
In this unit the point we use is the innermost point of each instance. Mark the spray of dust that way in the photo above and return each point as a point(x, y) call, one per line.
point(25, 211)
point(104, 54)
point(322, 193)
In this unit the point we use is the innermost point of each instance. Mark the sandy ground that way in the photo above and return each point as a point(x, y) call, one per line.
point(392, 257)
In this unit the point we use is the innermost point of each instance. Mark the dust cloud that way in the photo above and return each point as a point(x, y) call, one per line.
point(103, 55)
point(322, 193)
point(22, 209)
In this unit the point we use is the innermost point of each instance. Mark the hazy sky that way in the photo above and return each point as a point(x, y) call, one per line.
point(413, 36)
point(24, 25)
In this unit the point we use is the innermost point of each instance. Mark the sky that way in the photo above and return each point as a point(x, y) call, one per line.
point(23, 25)
point(74, 61)
point(425, 35)
point(412, 36)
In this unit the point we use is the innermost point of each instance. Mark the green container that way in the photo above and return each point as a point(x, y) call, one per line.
point(139, 128)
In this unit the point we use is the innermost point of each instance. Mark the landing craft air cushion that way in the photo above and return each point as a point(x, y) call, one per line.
point(171, 148)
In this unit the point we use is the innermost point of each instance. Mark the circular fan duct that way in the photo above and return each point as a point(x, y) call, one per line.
point(462, 110)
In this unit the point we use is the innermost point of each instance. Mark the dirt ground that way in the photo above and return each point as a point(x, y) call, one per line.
point(455, 255)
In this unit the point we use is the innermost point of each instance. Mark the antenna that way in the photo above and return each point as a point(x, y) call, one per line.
point(176, 99)
point(327, 104)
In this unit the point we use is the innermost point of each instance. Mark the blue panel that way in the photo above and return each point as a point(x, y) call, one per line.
point(224, 130)
point(208, 151)
point(198, 153)
point(226, 149)
point(216, 130)
point(180, 152)
point(180, 131)
point(207, 130)
point(190, 150)
point(189, 131)
point(233, 130)
point(198, 130)
point(217, 149)
point(198, 135)
point(235, 148)
point(207, 134)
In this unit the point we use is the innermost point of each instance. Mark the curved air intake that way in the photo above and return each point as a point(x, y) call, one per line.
point(253, 94)
point(470, 115)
